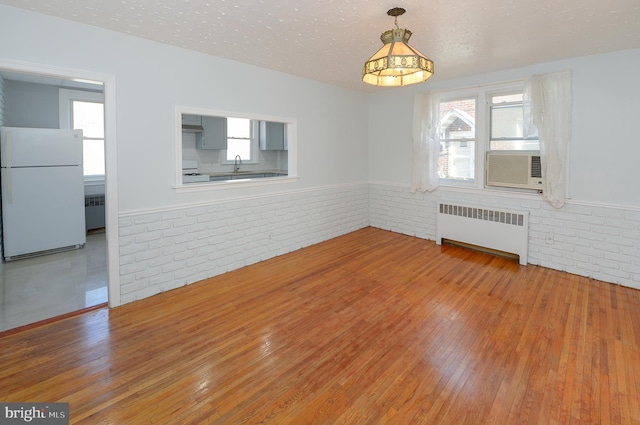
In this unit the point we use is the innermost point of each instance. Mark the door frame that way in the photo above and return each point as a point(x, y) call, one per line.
point(111, 169)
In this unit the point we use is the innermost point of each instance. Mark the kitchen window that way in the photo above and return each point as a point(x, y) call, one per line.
point(220, 149)
point(239, 139)
point(89, 117)
point(84, 110)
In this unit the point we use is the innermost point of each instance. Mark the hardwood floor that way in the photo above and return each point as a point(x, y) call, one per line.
point(368, 328)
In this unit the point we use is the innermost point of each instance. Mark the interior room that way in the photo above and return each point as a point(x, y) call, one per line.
point(444, 231)
point(65, 271)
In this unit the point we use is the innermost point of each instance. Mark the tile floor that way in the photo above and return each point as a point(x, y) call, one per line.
point(39, 288)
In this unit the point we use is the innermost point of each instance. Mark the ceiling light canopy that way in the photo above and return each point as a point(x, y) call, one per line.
point(396, 63)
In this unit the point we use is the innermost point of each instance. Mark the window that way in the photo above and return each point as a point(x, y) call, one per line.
point(220, 149)
point(84, 110)
point(457, 131)
point(475, 121)
point(506, 124)
point(239, 139)
point(89, 117)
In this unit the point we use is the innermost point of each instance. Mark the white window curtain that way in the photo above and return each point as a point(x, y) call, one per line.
point(426, 144)
point(548, 102)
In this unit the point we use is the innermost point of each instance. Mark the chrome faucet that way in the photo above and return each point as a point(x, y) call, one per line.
point(236, 167)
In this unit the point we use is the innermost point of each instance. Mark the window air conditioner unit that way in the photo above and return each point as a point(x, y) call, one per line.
point(518, 169)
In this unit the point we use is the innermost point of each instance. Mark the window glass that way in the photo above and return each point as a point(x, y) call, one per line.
point(89, 117)
point(506, 121)
point(506, 124)
point(457, 131)
point(503, 98)
point(482, 123)
point(238, 138)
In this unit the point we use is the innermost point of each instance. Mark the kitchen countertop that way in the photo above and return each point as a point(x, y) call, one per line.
point(246, 173)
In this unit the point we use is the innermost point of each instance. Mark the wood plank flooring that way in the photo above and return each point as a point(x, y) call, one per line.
point(369, 328)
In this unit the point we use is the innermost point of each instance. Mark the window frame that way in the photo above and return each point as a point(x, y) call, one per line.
point(453, 96)
point(253, 140)
point(292, 149)
point(66, 97)
point(512, 89)
point(483, 95)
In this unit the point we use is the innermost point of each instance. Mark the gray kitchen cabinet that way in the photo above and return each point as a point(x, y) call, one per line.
point(191, 119)
point(273, 136)
point(214, 135)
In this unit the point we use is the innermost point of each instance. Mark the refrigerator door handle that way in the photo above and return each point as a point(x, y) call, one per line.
point(6, 182)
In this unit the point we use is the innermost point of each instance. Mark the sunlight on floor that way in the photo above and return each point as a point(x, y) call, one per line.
point(39, 288)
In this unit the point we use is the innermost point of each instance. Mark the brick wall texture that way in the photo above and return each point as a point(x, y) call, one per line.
point(162, 250)
point(600, 242)
point(166, 249)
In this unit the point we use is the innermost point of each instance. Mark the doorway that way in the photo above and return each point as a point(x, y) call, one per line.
point(58, 284)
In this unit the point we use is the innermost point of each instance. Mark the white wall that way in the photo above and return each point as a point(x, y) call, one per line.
point(597, 233)
point(151, 79)
point(604, 147)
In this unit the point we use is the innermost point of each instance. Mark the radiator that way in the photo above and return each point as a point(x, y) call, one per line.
point(94, 212)
point(492, 228)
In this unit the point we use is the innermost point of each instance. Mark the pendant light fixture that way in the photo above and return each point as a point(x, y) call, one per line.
point(396, 63)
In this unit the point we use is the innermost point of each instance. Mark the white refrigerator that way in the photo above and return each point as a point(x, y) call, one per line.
point(42, 191)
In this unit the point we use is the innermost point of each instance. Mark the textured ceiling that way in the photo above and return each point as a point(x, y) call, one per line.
point(329, 40)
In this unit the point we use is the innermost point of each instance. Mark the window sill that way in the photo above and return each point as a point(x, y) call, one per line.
point(233, 184)
point(493, 191)
point(457, 183)
point(94, 180)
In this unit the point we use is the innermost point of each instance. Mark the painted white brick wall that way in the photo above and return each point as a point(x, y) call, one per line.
point(163, 250)
point(396, 209)
point(601, 242)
